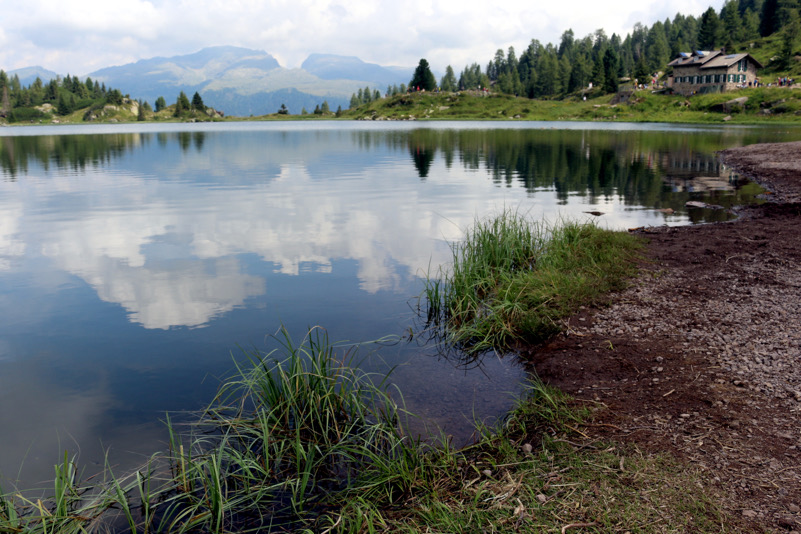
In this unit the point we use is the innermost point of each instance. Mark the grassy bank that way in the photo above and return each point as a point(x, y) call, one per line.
point(512, 280)
point(305, 443)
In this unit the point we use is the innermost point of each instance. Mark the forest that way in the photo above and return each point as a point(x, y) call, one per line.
point(769, 28)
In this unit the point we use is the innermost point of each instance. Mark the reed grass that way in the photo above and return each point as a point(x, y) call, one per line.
point(284, 440)
point(512, 280)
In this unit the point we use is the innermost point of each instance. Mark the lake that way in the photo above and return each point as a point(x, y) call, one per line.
point(138, 261)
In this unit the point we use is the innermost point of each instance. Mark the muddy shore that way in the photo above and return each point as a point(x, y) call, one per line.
point(701, 356)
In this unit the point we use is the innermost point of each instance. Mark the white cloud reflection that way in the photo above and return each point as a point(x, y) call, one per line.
point(168, 241)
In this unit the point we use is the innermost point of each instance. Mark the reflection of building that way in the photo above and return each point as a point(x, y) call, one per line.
point(703, 72)
point(697, 172)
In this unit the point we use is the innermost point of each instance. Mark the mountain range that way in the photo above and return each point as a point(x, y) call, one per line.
point(241, 81)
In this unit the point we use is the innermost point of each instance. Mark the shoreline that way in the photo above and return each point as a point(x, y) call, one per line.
point(699, 357)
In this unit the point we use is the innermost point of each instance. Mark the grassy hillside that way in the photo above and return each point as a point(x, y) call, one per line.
point(762, 105)
point(128, 111)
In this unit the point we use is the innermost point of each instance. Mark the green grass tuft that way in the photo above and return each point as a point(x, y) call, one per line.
point(513, 280)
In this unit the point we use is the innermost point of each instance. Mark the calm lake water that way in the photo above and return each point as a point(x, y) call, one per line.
point(137, 261)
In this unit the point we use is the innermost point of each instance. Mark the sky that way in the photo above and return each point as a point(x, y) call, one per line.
point(80, 36)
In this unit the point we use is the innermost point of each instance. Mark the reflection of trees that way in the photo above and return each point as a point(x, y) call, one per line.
point(73, 152)
point(199, 138)
point(594, 164)
point(422, 157)
point(76, 152)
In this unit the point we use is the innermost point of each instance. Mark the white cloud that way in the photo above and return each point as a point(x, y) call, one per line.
point(84, 35)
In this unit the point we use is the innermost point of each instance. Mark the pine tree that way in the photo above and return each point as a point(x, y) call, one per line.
point(789, 34)
point(140, 116)
point(448, 82)
point(769, 19)
point(709, 30)
point(63, 107)
point(160, 104)
point(732, 21)
point(657, 50)
point(610, 67)
point(182, 104)
point(325, 109)
point(423, 79)
point(197, 102)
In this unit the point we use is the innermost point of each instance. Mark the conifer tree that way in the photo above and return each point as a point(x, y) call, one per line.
point(197, 102)
point(769, 18)
point(789, 35)
point(610, 68)
point(182, 104)
point(709, 30)
point(423, 78)
point(448, 82)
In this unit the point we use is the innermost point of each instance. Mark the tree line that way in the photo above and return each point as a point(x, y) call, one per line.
point(65, 95)
point(554, 70)
point(598, 61)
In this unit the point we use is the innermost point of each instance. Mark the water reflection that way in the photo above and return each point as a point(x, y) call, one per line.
point(132, 264)
point(158, 222)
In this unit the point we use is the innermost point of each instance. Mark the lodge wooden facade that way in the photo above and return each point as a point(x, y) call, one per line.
point(715, 71)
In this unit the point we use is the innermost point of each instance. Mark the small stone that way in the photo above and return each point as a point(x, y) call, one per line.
point(487, 472)
point(527, 448)
point(542, 498)
point(684, 416)
point(794, 508)
point(749, 513)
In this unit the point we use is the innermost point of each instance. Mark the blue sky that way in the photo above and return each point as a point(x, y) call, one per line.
point(80, 36)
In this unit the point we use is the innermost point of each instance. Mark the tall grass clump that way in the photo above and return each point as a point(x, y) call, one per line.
point(285, 440)
point(288, 440)
point(512, 280)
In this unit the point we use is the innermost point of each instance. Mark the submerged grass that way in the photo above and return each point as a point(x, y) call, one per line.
point(512, 280)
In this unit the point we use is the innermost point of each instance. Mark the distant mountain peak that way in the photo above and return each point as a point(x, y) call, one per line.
point(242, 81)
point(335, 67)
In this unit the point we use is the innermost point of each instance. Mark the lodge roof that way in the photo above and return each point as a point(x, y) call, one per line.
point(710, 59)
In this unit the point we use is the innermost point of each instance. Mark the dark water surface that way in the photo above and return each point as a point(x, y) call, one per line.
point(136, 261)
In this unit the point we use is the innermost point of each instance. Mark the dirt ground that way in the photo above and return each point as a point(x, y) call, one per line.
point(702, 355)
